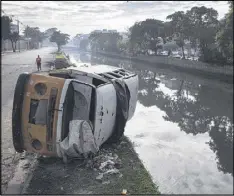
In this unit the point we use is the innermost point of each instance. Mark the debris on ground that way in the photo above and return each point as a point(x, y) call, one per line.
point(105, 163)
point(112, 171)
point(97, 174)
point(26, 165)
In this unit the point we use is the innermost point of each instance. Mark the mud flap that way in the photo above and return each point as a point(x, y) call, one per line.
point(80, 141)
point(17, 112)
point(122, 108)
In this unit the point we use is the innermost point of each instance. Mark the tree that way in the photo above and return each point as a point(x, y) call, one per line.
point(167, 32)
point(14, 37)
point(105, 41)
point(225, 34)
point(180, 28)
point(136, 38)
point(145, 35)
point(35, 34)
point(59, 38)
point(113, 38)
point(84, 44)
point(6, 22)
point(203, 27)
point(6, 32)
point(123, 46)
point(194, 45)
point(51, 30)
point(76, 39)
point(6, 27)
point(96, 40)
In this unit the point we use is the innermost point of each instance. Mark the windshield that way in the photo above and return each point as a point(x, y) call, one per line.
point(78, 104)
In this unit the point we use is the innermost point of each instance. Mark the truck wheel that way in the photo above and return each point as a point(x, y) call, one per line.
point(17, 112)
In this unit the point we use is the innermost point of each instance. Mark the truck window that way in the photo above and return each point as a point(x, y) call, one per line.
point(38, 111)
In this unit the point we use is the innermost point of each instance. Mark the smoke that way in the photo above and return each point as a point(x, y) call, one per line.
point(73, 60)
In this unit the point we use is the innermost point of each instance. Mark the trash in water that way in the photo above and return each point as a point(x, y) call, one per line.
point(124, 192)
point(106, 182)
point(99, 177)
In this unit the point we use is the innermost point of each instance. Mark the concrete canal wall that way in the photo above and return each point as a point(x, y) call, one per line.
point(224, 73)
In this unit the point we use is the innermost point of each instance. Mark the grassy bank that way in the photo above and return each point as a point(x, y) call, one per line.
point(51, 176)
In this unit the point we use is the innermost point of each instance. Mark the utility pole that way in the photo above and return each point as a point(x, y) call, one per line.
point(26, 35)
point(18, 34)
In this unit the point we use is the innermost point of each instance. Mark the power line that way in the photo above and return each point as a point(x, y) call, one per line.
point(13, 16)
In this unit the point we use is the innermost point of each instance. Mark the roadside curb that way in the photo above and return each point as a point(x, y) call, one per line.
point(22, 175)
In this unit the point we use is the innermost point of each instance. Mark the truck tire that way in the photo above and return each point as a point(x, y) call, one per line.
point(17, 112)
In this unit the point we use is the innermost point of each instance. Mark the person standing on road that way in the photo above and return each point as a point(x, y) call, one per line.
point(38, 61)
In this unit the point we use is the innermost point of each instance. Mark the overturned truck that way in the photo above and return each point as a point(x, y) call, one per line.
point(72, 112)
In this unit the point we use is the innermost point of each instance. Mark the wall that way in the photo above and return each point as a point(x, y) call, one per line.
point(224, 73)
point(7, 46)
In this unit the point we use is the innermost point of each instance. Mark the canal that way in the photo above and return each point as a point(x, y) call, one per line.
point(182, 127)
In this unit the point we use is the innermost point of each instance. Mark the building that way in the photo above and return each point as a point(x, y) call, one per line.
point(46, 42)
point(112, 31)
point(124, 36)
point(105, 31)
point(96, 31)
point(14, 28)
point(77, 39)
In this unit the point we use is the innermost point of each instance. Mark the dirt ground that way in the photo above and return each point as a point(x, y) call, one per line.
point(52, 176)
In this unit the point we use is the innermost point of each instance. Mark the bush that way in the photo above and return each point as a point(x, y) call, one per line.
point(213, 56)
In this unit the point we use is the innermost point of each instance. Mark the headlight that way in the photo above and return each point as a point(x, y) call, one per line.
point(40, 88)
point(36, 144)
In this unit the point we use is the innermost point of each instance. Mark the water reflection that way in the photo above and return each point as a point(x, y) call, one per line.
point(85, 57)
point(182, 130)
point(209, 110)
point(196, 109)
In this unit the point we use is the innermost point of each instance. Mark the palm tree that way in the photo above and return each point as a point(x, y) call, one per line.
point(60, 39)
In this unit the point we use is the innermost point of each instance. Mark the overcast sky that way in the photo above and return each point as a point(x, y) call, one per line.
point(74, 17)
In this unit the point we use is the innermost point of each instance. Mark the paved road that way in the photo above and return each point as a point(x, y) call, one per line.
point(14, 64)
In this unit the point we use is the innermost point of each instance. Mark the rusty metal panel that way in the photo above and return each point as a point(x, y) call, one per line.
point(32, 131)
point(105, 113)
